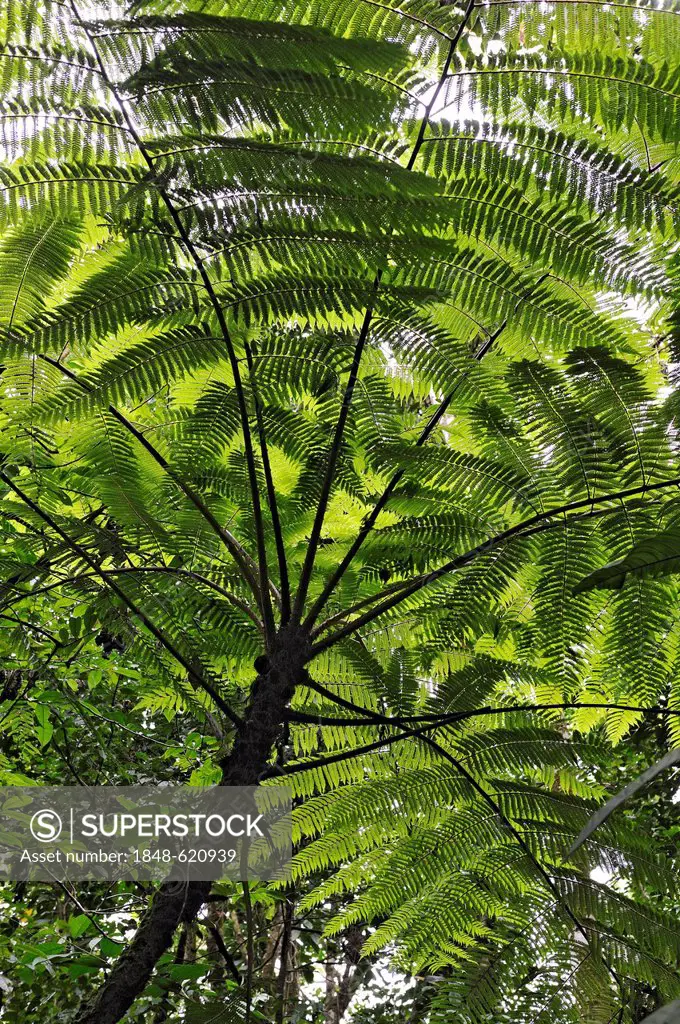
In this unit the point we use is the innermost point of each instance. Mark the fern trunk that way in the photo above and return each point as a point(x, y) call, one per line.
point(174, 904)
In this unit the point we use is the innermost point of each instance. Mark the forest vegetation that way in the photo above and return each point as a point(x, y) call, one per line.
point(339, 349)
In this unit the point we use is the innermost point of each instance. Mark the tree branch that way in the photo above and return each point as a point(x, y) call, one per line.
point(310, 557)
point(336, 445)
point(525, 528)
point(271, 495)
point(402, 585)
point(194, 675)
point(308, 718)
point(279, 771)
point(266, 606)
point(226, 955)
point(239, 554)
point(132, 570)
point(483, 348)
point(370, 521)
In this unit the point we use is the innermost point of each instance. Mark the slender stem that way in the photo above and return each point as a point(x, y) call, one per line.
point(489, 800)
point(240, 556)
point(76, 902)
point(78, 549)
point(403, 720)
point(266, 605)
point(336, 445)
point(286, 935)
point(364, 603)
point(482, 349)
point(525, 528)
point(226, 955)
point(470, 6)
point(278, 771)
point(132, 570)
point(22, 595)
point(45, 561)
point(382, 501)
point(461, 716)
point(250, 949)
point(369, 523)
point(271, 495)
point(36, 629)
point(595, 3)
point(402, 585)
point(198, 578)
point(84, 712)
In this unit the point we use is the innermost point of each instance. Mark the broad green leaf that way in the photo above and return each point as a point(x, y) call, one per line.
point(78, 925)
point(653, 557)
point(188, 972)
point(45, 728)
point(667, 761)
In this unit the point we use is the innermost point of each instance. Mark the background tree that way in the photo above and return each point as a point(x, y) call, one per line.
point(338, 351)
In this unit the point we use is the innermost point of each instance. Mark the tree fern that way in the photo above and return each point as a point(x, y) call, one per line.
point(337, 361)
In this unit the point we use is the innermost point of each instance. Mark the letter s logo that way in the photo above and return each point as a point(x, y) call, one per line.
point(46, 826)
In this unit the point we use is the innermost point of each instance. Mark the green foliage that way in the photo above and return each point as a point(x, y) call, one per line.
point(655, 556)
point(226, 227)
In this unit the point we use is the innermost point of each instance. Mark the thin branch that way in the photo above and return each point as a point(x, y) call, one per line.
point(411, 17)
point(307, 718)
point(644, 142)
point(593, 3)
point(239, 554)
point(372, 518)
point(574, 706)
point(36, 629)
point(66, 757)
point(336, 445)
point(310, 557)
point(266, 605)
point(369, 715)
point(365, 602)
point(484, 347)
point(271, 494)
point(555, 71)
point(279, 771)
point(470, 6)
point(226, 955)
point(198, 578)
point(147, 738)
point(525, 528)
point(286, 938)
point(133, 570)
point(45, 560)
point(194, 675)
point(76, 902)
point(401, 585)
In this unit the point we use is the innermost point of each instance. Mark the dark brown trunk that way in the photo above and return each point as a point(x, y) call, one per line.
point(175, 904)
